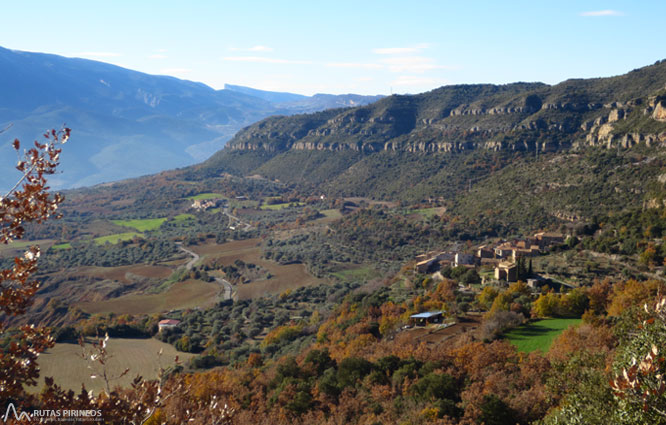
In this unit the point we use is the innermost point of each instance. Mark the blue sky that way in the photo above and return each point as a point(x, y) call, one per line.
point(362, 46)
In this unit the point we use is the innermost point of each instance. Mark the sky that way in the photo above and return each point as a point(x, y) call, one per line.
point(361, 46)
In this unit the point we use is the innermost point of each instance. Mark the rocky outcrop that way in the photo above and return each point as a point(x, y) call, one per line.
point(615, 115)
point(659, 112)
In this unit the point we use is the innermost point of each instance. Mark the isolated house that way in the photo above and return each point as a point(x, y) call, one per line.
point(167, 324)
point(422, 319)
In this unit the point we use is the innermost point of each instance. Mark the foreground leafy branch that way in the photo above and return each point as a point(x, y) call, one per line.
point(28, 201)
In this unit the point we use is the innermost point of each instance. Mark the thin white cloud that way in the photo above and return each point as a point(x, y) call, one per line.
point(413, 64)
point(99, 54)
point(261, 59)
point(354, 65)
point(258, 48)
point(157, 56)
point(401, 50)
point(607, 12)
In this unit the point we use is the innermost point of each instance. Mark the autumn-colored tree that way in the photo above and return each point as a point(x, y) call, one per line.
point(633, 293)
point(519, 288)
point(576, 339)
point(574, 302)
point(599, 296)
point(27, 202)
point(546, 305)
point(487, 296)
point(502, 302)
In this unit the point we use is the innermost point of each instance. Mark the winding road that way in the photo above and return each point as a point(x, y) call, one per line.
point(245, 226)
point(228, 289)
point(195, 256)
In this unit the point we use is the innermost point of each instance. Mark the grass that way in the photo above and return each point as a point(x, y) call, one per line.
point(142, 225)
point(538, 335)
point(65, 245)
point(114, 239)
point(202, 196)
point(333, 214)
point(243, 203)
point(280, 206)
point(360, 273)
point(429, 212)
point(64, 363)
point(182, 217)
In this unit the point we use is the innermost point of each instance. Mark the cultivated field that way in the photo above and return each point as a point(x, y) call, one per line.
point(64, 363)
point(142, 225)
point(362, 273)
point(18, 247)
point(281, 206)
point(290, 276)
point(538, 335)
point(202, 196)
point(121, 273)
point(429, 212)
point(181, 295)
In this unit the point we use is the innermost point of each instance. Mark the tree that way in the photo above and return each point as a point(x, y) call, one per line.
point(547, 305)
point(28, 201)
point(639, 384)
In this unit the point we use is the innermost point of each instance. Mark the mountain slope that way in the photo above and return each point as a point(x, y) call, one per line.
point(523, 153)
point(125, 123)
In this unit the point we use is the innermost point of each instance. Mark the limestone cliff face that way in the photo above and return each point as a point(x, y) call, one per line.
point(619, 111)
point(603, 131)
point(659, 112)
point(552, 127)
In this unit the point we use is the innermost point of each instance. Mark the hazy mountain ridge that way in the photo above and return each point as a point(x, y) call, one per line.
point(125, 123)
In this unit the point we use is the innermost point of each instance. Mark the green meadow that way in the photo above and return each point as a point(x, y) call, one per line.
point(538, 335)
point(202, 196)
point(142, 225)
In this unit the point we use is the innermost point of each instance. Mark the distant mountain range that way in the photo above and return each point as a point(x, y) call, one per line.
point(127, 123)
